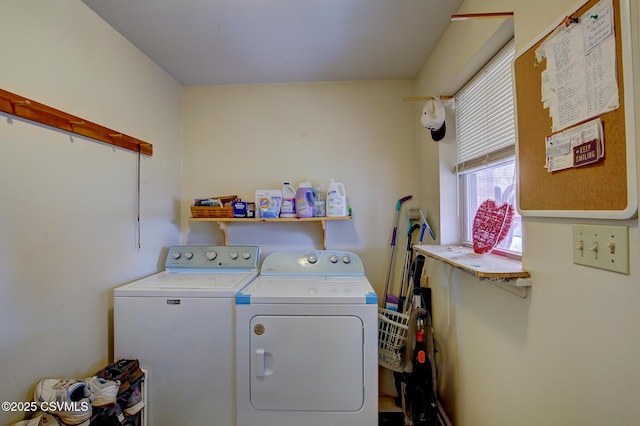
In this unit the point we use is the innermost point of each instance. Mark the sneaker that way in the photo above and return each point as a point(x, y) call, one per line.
point(132, 421)
point(115, 374)
point(135, 403)
point(131, 367)
point(85, 423)
point(109, 418)
point(136, 376)
point(104, 391)
point(41, 419)
point(127, 371)
point(101, 415)
point(70, 400)
point(123, 400)
point(128, 365)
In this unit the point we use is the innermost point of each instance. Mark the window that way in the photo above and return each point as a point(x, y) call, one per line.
point(485, 133)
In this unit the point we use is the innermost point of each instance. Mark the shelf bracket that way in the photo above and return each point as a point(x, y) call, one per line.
point(324, 235)
point(224, 228)
point(517, 286)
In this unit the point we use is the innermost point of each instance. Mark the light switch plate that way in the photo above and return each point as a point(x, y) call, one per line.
point(602, 246)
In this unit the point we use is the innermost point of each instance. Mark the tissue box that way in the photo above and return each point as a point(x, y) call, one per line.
point(239, 209)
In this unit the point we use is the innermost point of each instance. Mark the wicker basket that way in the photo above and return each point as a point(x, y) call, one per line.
point(392, 333)
point(199, 211)
point(211, 211)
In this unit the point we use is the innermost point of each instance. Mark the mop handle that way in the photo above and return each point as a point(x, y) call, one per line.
point(402, 200)
point(393, 245)
point(413, 228)
point(395, 229)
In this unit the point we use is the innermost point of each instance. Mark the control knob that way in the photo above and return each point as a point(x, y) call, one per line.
point(233, 255)
point(334, 259)
point(176, 255)
point(211, 255)
point(188, 255)
point(346, 259)
point(246, 255)
point(312, 258)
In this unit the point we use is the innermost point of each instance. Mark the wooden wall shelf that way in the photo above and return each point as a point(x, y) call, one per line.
point(223, 223)
point(26, 108)
point(501, 271)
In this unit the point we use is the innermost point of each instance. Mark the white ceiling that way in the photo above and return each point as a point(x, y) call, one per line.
point(215, 42)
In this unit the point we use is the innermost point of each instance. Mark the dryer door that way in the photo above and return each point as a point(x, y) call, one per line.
point(307, 363)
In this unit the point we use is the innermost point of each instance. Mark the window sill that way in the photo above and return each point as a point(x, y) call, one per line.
point(505, 272)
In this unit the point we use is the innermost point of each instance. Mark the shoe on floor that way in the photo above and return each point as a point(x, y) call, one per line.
point(132, 421)
point(41, 419)
point(108, 419)
point(85, 423)
point(109, 415)
point(115, 374)
point(135, 403)
point(136, 376)
point(130, 369)
point(104, 391)
point(70, 400)
point(127, 371)
point(127, 365)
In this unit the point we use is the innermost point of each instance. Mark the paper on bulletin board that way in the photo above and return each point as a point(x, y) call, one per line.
point(575, 147)
point(580, 81)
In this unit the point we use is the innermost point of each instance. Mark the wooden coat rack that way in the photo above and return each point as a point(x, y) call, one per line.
point(26, 108)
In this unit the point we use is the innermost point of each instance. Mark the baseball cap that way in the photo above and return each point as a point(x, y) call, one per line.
point(433, 115)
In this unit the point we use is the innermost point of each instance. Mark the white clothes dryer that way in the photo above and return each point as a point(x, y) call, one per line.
point(307, 342)
point(179, 323)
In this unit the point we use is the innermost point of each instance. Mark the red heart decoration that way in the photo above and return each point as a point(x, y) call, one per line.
point(490, 225)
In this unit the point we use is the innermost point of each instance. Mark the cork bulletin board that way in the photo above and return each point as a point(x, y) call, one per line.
point(604, 189)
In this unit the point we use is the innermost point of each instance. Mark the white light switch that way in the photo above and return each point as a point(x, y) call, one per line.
point(602, 246)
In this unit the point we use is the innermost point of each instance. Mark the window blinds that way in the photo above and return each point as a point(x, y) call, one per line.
point(485, 119)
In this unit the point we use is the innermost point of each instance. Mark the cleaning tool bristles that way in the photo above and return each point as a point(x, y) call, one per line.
point(413, 213)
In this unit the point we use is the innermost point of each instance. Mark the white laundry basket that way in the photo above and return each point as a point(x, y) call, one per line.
point(392, 334)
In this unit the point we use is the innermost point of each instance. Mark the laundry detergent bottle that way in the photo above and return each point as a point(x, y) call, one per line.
point(288, 206)
point(336, 199)
point(304, 200)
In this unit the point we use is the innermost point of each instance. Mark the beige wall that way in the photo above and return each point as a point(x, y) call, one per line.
point(567, 354)
point(241, 138)
point(68, 231)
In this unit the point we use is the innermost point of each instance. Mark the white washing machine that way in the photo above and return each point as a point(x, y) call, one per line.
point(180, 324)
point(307, 342)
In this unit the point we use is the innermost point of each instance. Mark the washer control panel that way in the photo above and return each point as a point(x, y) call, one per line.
point(316, 262)
point(212, 257)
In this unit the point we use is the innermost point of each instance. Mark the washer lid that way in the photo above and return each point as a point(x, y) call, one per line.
point(188, 284)
point(308, 290)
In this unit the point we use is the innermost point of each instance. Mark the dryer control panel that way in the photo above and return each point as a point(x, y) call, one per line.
point(313, 263)
point(212, 257)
